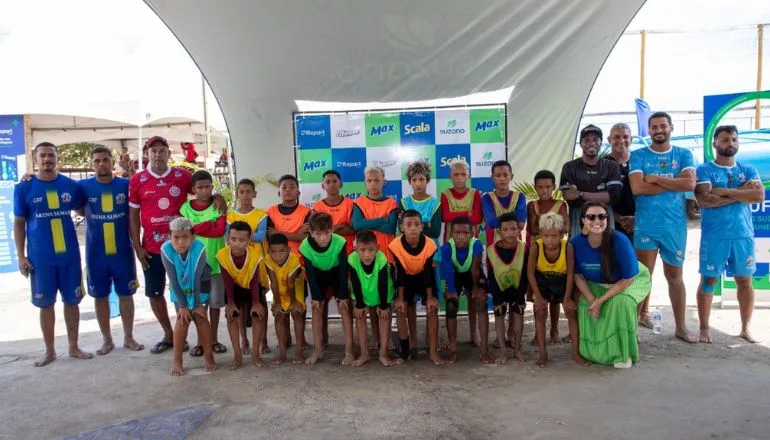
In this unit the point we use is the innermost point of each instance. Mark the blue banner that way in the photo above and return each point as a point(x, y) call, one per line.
point(11, 155)
point(643, 113)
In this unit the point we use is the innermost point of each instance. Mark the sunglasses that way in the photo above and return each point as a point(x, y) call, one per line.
point(594, 217)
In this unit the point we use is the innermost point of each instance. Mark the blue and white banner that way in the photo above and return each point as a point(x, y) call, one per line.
point(12, 164)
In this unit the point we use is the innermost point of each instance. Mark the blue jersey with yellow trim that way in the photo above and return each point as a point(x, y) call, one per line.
point(47, 206)
point(107, 237)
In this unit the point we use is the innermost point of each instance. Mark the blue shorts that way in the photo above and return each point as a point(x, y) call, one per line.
point(671, 243)
point(121, 273)
point(737, 255)
point(47, 280)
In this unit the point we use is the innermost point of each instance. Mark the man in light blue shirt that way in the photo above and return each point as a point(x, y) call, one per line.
point(660, 175)
point(724, 190)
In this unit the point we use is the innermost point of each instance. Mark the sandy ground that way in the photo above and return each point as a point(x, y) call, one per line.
point(677, 391)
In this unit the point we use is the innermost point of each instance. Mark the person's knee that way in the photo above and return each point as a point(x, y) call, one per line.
point(500, 310)
point(297, 314)
point(708, 285)
point(343, 305)
point(742, 283)
point(518, 309)
point(541, 312)
point(198, 314)
point(452, 306)
point(317, 306)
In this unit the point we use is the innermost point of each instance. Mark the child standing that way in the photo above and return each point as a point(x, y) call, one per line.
point(289, 217)
point(209, 227)
point(184, 259)
point(545, 185)
point(507, 282)
point(287, 283)
point(326, 269)
point(461, 268)
point(501, 201)
point(370, 278)
point(240, 261)
point(415, 277)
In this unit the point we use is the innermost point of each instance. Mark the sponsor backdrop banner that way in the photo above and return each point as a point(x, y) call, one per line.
point(351, 142)
point(715, 107)
point(12, 160)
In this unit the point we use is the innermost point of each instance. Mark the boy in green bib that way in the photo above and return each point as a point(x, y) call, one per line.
point(372, 283)
point(326, 268)
point(209, 225)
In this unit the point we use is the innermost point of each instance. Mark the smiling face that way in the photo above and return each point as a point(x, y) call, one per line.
point(591, 144)
point(595, 220)
point(660, 130)
point(620, 139)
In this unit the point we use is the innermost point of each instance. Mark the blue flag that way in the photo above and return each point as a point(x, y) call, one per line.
point(643, 113)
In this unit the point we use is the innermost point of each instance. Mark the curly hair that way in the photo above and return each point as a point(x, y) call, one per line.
point(419, 168)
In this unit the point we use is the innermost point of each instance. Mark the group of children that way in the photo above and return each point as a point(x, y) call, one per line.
point(373, 256)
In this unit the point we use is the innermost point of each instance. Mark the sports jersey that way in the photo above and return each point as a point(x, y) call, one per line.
point(494, 206)
point(588, 259)
point(289, 222)
point(107, 237)
point(556, 268)
point(455, 204)
point(341, 213)
point(551, 276)
point(625, 204)
point(256, 219)
point(212, 244)
point(603, 176)
point(47, 206)
point(282, 274)
point(380, 217)
point(373, 287)
point(455, 260)
point(242, 276)
point(667, 209)
point(507, 274)
point(412, 263)
point(189, 276)
point(733, 220)
point(159, 198)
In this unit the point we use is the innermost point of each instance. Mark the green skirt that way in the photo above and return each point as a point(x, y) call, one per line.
point(612, 338)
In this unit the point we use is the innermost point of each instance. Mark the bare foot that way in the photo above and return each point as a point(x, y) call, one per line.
point(542, 360)
point(475, 341)
point(445, 345)
point(580, 360)
point(46, 359)
point(452, 357)
point(555, 340)
point(236, 363)
point(258, 361)
point(299, 356)
point(372, 345)
point(176, 369)
point(684, 335)
point(349, 359)
point(106, 348)
point(388, 362)
point(705, 336)
point(391, 347)
point(209, 365)
point(436, 359)
point(245, 349)
point(132, 345)
point(315, 357)
point(364, 358)
point(747, 336)
point(80, 354)
point(520, 356)
point(487, 359)
point(280, 359)
point(501, 358)
point(266, 349)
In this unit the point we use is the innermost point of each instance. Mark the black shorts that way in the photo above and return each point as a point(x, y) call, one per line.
point(243, 296)
point(552, 288)
point(328, 286)
point(510, 296)
point(464, 283)
point(154, 276)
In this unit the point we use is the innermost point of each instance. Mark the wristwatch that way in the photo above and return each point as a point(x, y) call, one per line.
point(580, 195)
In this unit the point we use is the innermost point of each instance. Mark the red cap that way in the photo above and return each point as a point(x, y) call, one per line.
point(155, 140)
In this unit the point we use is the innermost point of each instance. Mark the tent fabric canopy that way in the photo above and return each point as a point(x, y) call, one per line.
point(261, 56)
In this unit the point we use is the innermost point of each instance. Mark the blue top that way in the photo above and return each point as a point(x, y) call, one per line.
point(667, 209)
point(107, 237)
point(491, 217)
point(447, 266)
point(588, 260)
point(47, 206)
point(733, 220)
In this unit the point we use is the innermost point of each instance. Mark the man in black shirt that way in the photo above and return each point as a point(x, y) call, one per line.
point(624, 207)
point(589, 178)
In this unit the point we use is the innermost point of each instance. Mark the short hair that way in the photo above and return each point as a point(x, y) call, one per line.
point(457, 163)
point(620, 126)
point(659, 115)
point(180, 224)
point(286, 177)
point(247, 182)
point(501, 163)
point(201, 176)
point(462, 220)
point(101, 149)
point(545, 174)
point(418, 168)
point(320, 221)
point(365, 237)
point(410, 213)
point(508, 217)
point(333, 172)
point(374, 169)
point(45, 145)
point(240, 226)
point(277, 239)
point(725, 129)
point(551, 220)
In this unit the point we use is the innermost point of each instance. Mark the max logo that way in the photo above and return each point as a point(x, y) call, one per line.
point(487, 125)
point(316, 164)
point(383, 129)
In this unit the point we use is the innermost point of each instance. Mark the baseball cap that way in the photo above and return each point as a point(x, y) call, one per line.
point(158, 140)
point(590, 129)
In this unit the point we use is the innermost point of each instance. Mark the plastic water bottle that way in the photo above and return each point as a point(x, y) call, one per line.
point(657, 322)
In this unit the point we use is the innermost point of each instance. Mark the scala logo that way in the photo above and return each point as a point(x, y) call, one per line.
point(452, 128)
point(487, 125)
point(383, 129)
point(383, 163)
point(414, 129)
point(347, 133)
point(312, 133)
point(341, 164)
point(316, 197)
point(313, 165)
point(447, 161)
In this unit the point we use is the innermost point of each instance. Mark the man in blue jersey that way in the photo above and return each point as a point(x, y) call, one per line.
point(42, 207)
point(660, 175)
point(724, 190)
point(109, 252)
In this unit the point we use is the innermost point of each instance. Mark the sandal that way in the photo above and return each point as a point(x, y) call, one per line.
point(161, 346)
point(196, 351)
point(219, 348)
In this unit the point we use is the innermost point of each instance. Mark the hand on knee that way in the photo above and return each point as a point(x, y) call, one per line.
point(500, 310)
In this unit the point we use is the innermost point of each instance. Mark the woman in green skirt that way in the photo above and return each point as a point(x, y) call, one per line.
point(611, 282)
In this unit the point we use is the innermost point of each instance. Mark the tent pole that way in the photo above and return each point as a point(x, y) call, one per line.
point(760, 48)
point(205, 119)
point(139, 151)
point(641, 64)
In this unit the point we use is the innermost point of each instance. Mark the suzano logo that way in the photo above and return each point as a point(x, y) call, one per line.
point(487, 125)
point(486, 160)
point(341, 164)
point(447, 161)
point(314, 165)
point(383, 163)
point(383, 129)
point(347, 133)
point(451, 128)
point(312, 132)
point(316, 197)
point(414, 129)
point(488, 155)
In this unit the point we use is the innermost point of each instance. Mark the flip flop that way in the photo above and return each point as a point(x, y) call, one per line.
point(219, 348)
point(161, 346)
point(196, 351)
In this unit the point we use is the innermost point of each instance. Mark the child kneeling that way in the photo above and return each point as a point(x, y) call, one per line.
point(189, 276)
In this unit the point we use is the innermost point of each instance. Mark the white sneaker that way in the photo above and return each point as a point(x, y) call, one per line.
point(625, 364)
